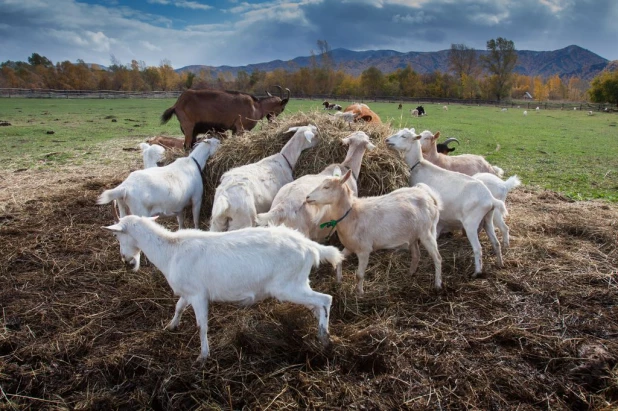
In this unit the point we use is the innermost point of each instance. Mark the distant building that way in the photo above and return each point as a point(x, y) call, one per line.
point(527, 95)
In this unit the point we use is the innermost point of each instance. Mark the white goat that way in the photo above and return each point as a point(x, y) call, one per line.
point(499, 189)
point(525, 113)
point(466, 201)
point(468, 164)
point(589, 113)
point(242, 266)
point(538, 108)
point(248, 190)
point(289, 206)
point(400, 218)
point(445, 108)
point(151, 154)
point(414, 113)
point(167, 190)
point(504, 109)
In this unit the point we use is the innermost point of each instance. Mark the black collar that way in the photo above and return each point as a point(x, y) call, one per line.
point(288, 161)
point(417, 163)
point(197, 164)
point(333, 223)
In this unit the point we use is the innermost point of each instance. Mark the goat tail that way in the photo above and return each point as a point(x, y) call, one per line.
point(110, 195)
point(498, 171)
point(433, 194)
point(272, 217)
point(167, 114)
point(499, 205)
point(512, 182)
point(329, 253)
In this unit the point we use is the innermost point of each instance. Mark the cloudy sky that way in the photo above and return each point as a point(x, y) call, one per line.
point(236, 32)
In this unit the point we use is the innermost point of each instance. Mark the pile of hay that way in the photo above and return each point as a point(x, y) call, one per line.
point(382, 170)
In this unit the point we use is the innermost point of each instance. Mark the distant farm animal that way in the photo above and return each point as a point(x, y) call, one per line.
point(443, 148)
point(363, 112)
point(445, 108)
point(421, 111)
point(331, 106)
point(590, 113)
point(504, 109)
point(240, 266)
point(525, 113)
point(167, 142)
point(201, 111)
point(414, 113)
point(400, 107)
point(538, 108)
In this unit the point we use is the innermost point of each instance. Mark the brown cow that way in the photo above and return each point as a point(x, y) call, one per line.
point(363, 112)
point(201, 111)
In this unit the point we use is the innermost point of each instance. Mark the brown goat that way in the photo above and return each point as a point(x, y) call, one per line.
point(202, 111)
point(363, 112)
point(167, 142)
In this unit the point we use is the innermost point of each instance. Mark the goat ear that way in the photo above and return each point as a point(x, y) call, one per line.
point(367, 118)
point(292, 129)
point(370, 146)
point(345, 177)
point(345, 140)
point(116, 228)
point(153, 218)
point(337, 172)
point(309, 135)
point(435, 136)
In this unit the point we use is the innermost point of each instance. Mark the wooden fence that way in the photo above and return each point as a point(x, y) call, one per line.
point(413, 101)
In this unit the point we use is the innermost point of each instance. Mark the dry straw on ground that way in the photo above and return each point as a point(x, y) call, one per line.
point(80, 331)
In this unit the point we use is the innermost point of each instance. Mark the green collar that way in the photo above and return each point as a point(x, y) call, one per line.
point(333, 223)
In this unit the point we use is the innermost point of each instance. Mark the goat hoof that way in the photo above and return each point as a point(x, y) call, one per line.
point(201, 359)
point(324, 339)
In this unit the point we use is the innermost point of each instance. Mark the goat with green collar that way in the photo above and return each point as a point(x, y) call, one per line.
point(401, 218)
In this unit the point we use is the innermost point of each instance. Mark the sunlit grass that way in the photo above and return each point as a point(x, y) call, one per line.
point(566, 151)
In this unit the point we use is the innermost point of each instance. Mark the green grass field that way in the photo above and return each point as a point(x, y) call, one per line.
point(566, 151)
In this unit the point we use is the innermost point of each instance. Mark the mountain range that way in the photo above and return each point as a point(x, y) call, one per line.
point(569, 61)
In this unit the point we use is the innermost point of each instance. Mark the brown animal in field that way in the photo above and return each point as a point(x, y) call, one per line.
point(363, 112)
point(400, 106)
point(167, 142)
point(202, 111)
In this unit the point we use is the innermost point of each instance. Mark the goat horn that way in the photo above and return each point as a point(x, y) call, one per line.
point(448, 140)
point(280, 92)
point(288, 90)
point(116, 216)
point(269, 95)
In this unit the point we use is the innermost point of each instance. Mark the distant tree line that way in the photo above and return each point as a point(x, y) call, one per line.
point(488, 77)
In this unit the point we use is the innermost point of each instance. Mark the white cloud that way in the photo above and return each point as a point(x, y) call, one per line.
point(148, 45)
point(416, 18)
point(187, 4)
